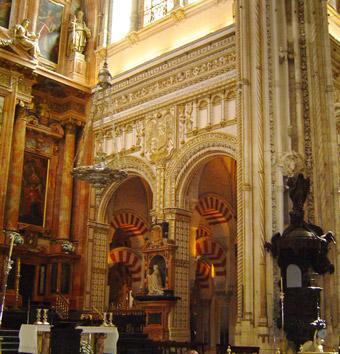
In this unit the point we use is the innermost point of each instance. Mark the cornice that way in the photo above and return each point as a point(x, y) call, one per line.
point(189, 68)
point(27, 66)
point(225, 81)
point(62, 79)
point(171, 58)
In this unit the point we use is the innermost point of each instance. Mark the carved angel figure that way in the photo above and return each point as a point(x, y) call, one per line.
point(26, 40)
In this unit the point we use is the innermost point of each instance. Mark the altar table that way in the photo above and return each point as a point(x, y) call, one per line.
point(28, 337)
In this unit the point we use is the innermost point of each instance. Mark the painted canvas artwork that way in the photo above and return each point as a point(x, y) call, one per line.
point(48, 26)
point(33, 189)
point(5, 12)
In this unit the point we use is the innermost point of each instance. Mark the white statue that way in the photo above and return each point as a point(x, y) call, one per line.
point(155, 286)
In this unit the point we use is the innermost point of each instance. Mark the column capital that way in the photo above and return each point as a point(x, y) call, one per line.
point(70, 125)
point(21, 110)
point(177, 213)
point(98, 226)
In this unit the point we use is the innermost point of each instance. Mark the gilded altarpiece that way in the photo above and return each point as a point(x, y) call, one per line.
point(39, 180)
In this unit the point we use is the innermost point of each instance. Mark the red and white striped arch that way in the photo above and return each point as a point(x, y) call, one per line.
point(203, 270)
point(214, 209)
point(210, 249)
point(129, 222)
point(131, 259)
point(203, 231)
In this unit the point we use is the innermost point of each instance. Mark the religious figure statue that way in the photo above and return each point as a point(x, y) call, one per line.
point(155, 286)
point(26, 40)
point(79, 34)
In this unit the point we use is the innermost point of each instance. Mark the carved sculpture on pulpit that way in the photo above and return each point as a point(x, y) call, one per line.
point(159, 253)
point(157, 297)
point(301, 252)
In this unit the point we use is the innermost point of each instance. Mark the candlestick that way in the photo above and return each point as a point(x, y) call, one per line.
point(110, 319)
point(45, 318)
point(38, 320)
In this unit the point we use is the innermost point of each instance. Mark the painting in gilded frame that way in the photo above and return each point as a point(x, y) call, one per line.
point(48, 27)
point(5, 12)
point(33, 189)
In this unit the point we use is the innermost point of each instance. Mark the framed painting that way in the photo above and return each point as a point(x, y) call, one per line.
point(48, 26)
point(5, 12)
point(33, 190)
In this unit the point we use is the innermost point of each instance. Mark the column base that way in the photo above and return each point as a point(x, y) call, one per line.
point(248, 335)
point(179, 334)
point(76, 67)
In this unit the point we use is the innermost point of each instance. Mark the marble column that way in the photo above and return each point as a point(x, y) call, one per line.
point(179, 230)
point(65, 207)
point(16, 169)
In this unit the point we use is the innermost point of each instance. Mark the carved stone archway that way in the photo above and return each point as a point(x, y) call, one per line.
point(134, 167)
point(186, 162)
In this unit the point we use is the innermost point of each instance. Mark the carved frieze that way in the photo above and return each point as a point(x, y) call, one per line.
point(187, 69)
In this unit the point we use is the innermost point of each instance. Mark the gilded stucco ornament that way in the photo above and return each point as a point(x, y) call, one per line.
point(68, 247)
point(159, 135)
point(291, 163)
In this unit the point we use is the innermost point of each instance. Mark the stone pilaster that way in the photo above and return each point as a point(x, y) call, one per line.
point(179, 230)
point(65, 207)
point(96, 275)
point(322, 160)
point(16, 170)
point(252, 323)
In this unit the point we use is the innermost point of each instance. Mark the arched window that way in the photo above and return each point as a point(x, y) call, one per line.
point(156, 9)
point(131, 15)
point(120, 19)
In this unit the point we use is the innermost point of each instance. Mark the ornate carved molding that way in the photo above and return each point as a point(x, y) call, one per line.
point(181, 167)
point(134, 166)
point(200, 64)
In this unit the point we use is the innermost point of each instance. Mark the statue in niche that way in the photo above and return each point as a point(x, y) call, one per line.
point(155, 283)
point(26, 40)
point(79, 34)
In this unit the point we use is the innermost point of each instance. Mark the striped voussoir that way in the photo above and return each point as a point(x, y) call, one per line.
point(214, 209)
point(203, 231)
point(131, 224)
point(211, 250)
point(202, 274)
point(130, 259)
